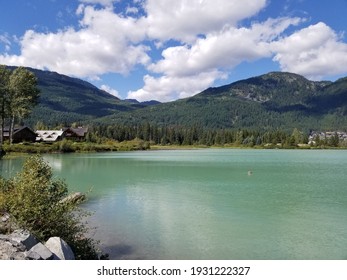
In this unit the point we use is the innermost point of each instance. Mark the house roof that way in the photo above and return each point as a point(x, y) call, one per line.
point(6, 132)
point(48, 135)
point(79, 131)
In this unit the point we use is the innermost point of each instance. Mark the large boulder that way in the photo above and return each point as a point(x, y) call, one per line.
point(40, 252)
point(60, 249)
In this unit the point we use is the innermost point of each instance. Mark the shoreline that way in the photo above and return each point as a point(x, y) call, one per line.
point(21, 149)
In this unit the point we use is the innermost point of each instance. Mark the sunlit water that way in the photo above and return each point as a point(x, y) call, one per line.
point(205, 204)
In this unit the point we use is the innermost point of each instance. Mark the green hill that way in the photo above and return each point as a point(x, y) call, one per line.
point(271, 101)
point(64, 99)
point(276, 100)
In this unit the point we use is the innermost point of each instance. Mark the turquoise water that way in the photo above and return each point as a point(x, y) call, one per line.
point(203, 204)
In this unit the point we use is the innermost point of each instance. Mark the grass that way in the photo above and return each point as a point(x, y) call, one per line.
point(66, 146)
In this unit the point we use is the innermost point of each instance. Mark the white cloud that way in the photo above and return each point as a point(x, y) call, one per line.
point(315, 52)
point(105, 3)
point(183, 20)
point(106, 42)
point(168, 88)
point(222, 50)
point(110, 90)
point(131, 10)
point(4, 39)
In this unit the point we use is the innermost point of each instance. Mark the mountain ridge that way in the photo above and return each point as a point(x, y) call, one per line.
point(276, 100)
point(64, 100)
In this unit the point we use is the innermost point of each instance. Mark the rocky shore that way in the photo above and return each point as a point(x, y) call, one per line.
point(20, 244)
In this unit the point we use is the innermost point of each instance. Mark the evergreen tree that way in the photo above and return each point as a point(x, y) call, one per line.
point(334, 140)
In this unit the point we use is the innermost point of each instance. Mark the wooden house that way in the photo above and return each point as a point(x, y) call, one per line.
point(76, 134)
point(20, 134)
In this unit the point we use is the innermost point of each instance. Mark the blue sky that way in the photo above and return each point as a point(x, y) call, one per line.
point(171, 49)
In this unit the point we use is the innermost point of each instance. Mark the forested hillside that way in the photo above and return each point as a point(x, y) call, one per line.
point(273, 101)
point(64, 100)
point(276, 100)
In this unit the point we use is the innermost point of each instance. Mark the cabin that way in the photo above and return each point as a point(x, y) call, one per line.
point(49, 135)
point(76, 134)
point(20, 134)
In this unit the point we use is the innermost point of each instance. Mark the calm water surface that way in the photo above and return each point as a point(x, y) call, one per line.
point(203, 204)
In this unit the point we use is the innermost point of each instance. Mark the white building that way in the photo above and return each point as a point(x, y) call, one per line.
point(49, 135)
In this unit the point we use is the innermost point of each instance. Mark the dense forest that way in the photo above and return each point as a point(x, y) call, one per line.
point(199, 136)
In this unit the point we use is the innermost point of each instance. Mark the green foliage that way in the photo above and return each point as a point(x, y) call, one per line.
point(66, 100)
point(18, 95)
point(3, 190)
point(195, 135)
point(66, 146)
point(24, 92)
point(334, 140)
point(34, 198)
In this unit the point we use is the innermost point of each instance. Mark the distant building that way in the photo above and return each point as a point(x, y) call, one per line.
point(326, 136)
point(76, 134)
point(49, 135)
point(20, 134)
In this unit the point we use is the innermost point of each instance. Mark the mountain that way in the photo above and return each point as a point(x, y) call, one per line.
point(274, 100)
point(64, 99)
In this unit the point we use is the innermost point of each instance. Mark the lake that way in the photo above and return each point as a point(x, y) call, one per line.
point(212, 203)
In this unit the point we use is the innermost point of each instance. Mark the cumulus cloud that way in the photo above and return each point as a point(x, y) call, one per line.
point(222, 50)
point(183, 20)
point(315, 52)
point(110, 90)
point(169, 88)
point(106, 42)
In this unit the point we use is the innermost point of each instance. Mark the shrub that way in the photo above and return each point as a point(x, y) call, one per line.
point(33, 197)
point(66, 146)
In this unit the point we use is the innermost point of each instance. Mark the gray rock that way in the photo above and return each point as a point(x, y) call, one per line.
point(60, 249)
point(42, 251)
point(10, 252)
point(18, 246)
point(24, 237)
point(4, 237)
point(31, 255)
